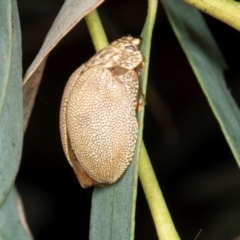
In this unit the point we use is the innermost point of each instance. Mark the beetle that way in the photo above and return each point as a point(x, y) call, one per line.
point(98, 123)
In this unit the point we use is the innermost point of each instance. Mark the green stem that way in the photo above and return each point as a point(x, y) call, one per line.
point(147, 39)
point(161, 216)
point(96, 30)
point(227, 11)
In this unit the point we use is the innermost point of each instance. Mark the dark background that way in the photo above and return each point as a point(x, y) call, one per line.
point(198, 175)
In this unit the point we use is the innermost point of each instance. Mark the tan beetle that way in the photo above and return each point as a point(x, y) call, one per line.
point(98, 122)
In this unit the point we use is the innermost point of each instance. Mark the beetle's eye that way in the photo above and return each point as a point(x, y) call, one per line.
point(130, 48)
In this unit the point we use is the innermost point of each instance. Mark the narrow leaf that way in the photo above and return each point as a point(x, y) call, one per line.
point(207, 64)
point(12, 222)
point(227, 11)
point(70, 14)
point(11, 109)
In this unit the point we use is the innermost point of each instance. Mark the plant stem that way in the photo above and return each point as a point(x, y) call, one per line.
point(147, 39)
point(96, 30)
point(161, 216)
point(227, 11)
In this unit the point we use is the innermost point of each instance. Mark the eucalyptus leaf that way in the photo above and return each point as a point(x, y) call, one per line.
point(11, 109)
point(12, 222)
point(227, 11)
point(207, 63)
point(113, 208)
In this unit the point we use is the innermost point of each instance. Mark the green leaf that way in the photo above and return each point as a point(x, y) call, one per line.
point(207, 63)
point(12, 225)
point(11, 109)
point(226, 10)
point(113, 207)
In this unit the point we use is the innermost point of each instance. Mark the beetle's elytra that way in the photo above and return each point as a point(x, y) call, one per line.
point(98, 122)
